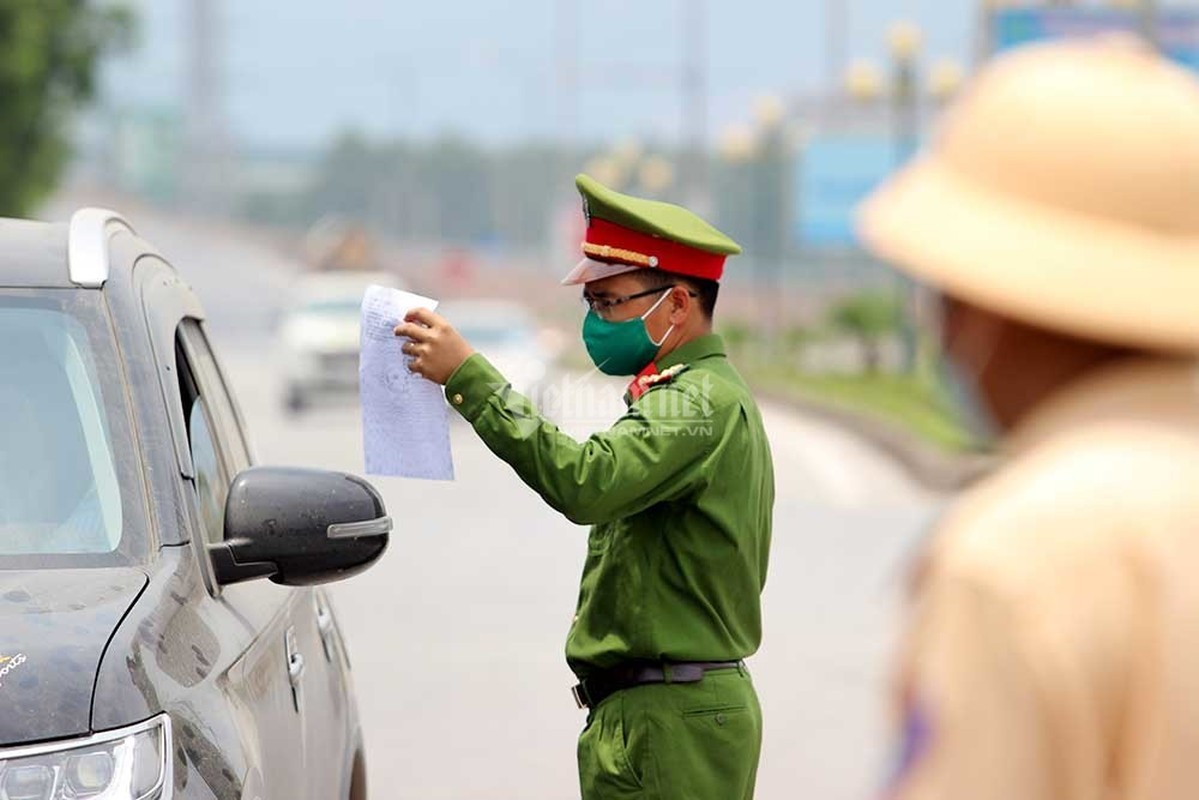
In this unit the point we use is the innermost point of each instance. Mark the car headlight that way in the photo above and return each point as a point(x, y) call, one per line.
point(132, 763)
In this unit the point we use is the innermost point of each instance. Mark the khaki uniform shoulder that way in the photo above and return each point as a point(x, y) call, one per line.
point(1072, 498)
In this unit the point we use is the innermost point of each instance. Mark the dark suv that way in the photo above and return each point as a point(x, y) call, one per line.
point(160, 636)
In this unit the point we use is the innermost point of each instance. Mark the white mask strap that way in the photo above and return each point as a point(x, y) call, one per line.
point(654, 308)
point(666, 336)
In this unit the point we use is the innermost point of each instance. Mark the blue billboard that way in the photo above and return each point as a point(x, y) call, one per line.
point(836, 173)
point(1177, 29)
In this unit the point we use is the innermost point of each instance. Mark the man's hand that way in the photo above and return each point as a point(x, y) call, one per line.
point(435, 347)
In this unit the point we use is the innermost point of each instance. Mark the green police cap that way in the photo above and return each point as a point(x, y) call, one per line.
point(647, 234)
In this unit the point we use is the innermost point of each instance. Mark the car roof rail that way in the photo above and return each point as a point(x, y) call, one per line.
point(87, 245)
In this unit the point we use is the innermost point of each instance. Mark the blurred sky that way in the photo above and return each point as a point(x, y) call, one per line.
point(299, 71)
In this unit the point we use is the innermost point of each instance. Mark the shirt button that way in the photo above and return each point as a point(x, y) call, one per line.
point(721, 719)
point(458, 399)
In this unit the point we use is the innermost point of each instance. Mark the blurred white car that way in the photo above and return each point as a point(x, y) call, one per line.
point(319, 335)
point(506, 334)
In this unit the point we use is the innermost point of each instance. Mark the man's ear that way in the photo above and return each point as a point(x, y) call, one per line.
point(681, 304)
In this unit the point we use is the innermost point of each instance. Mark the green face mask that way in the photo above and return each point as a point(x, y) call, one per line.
point(622, 348)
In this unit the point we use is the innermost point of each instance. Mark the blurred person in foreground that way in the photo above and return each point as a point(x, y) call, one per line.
point(679, 493)
point(1053, 649)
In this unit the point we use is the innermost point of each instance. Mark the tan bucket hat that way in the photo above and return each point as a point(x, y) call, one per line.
point(1063, 190)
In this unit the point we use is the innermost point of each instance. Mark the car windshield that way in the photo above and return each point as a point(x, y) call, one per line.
point(60, 479)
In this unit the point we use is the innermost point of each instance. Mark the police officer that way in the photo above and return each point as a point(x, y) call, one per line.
point(1053, 649)
point(678, 494)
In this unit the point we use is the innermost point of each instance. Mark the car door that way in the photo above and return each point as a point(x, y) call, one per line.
point(293, 626)
point(265, 685)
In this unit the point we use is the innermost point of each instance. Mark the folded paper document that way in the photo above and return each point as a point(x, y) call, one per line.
point(405, 419)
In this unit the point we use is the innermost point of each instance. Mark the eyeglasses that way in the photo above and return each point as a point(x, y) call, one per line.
point(602, 305)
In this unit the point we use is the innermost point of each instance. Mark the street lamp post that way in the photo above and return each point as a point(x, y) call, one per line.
point(627, 167)
point(944, 80)
point(905, 40)
point(656, 174)
point(866, 83)
point(736, 197)
point(737, 152)
point(758, 158)
point(774, 212)
point(768, 113)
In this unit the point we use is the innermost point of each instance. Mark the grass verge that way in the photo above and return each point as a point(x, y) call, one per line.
point(914, 404)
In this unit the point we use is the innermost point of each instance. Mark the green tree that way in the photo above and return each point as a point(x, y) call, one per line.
point(48, 55)
point(868, 317)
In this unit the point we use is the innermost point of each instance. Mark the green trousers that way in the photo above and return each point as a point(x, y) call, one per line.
point(674, 741)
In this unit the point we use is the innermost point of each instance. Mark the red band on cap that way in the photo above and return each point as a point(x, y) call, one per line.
point(672, 256)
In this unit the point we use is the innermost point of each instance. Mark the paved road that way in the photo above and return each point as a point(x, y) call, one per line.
point(456, 635)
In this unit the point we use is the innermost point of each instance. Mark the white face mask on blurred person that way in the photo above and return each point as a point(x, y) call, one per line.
point(961, 383)
point(968, 403)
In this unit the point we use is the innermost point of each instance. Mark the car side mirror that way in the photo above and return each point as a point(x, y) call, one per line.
point(299, 527)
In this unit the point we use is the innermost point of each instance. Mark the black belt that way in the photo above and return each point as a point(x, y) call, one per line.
point(598, 686)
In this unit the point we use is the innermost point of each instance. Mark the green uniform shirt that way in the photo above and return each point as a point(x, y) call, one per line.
point(679, 494)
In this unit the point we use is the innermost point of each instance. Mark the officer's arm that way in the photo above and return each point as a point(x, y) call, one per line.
point(645, 458)
point(973, 719)
point(1017, 675)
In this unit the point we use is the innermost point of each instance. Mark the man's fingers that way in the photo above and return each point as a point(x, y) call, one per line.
point(414, 366)
point(423, 316)
point(417, 333)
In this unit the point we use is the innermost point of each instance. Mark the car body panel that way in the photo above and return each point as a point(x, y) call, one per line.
point(218, 667)
point(156, 442)
point(54, 627)
point(166, 301)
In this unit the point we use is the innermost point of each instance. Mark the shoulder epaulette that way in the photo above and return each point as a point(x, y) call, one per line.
point(649, 379)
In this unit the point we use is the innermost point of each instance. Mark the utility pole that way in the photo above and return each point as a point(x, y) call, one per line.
point(696, 189)
point(206, 164)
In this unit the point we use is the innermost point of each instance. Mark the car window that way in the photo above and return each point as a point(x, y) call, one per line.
point(60, 490)
point(212, 485)
point(213, 429)
point(225, 424)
